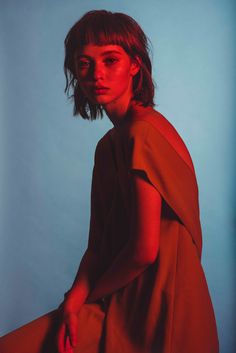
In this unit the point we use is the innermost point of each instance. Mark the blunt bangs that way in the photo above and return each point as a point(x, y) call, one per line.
point(106, 29)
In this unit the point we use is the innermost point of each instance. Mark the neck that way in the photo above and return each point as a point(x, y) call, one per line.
point(118, 114)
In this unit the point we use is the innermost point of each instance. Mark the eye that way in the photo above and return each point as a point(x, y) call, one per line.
point(83, 64)
point(111, 60)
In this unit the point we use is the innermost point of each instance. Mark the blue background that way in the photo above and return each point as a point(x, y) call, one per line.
point(47, 155)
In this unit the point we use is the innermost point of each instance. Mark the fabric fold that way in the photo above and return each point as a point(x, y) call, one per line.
point(150, 152)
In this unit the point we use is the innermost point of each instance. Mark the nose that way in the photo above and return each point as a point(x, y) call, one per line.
point(98, 71)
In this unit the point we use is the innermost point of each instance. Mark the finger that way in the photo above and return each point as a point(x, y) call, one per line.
point(61, 338)
point(68, 347)
point(72, 325)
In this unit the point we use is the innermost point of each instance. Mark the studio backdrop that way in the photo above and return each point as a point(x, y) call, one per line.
point(47, 154)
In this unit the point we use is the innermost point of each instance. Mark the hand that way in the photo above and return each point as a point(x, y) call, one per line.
point(90, 298)
point(68, 330)
point(67, 334)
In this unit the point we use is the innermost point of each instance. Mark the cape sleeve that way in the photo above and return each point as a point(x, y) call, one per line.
point(96, 217)
point(151, 153)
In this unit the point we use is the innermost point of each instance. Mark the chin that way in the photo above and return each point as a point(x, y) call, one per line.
point(101, 100)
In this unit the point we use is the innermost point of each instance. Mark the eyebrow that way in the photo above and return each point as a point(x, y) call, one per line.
point(110, 52)
point(103, 53)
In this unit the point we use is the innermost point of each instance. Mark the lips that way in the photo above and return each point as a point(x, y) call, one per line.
point(100, 89)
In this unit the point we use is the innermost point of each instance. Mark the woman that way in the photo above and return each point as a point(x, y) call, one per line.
point(140, 286)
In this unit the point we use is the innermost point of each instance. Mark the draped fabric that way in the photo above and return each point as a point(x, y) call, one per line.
point(167, 308)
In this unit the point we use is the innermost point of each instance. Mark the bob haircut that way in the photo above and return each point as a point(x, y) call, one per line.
point(101, 27)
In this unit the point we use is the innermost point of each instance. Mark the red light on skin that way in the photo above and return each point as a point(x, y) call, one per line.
point(100, 90)
point(98, 66)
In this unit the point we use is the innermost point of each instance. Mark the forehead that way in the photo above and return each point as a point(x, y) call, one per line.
point(94, 50)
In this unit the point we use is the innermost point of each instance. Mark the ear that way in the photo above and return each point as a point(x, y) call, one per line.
point(135, 65)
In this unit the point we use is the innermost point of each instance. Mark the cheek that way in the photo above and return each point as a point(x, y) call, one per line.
point(82, 76)
point(83, 81)
point(83, 85)
point(120, 76)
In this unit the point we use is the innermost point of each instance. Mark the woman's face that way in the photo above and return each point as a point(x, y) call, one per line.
point(105, 74)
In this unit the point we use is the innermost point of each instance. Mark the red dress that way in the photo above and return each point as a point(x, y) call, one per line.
point(167, 308)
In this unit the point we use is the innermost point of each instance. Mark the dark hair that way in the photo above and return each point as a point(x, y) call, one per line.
point(103, 27)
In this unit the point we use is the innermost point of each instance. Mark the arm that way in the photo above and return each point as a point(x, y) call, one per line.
point(74, 299)
point(88, 270)
point(85, 278)
point(142, 248)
